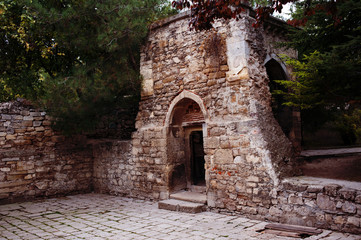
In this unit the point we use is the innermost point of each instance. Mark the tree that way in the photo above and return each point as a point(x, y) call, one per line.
point(205, 12)
point(77, 58)
point(328, 74)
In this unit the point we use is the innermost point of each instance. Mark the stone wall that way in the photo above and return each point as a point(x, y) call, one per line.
point(37, 162)
point(113, 170)
point(322, 203)
point(309, 201)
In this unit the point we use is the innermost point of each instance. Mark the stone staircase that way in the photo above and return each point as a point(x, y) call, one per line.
point(184, 201)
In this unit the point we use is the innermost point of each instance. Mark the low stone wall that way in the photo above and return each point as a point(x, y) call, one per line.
point(323, 203)
point(37, 162)
point(308, 201)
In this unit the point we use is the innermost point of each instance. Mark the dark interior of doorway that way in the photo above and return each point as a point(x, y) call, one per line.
point(197, 158)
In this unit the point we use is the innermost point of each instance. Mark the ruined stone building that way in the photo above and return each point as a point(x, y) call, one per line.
point(205, 116)
point(205, 123)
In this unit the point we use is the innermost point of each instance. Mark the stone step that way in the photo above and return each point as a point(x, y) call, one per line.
point(199, 189)
point(194, 197)
point(181, 206)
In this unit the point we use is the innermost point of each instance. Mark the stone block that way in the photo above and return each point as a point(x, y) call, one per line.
point(21, 166)
point(275, 211)
point(48, 133)
point(40, 129)
point(223, 156)
point(314, 189)
point(13, 184)
point(22, 142)
point(15, 177)
point(10, 159)
point(332, 189)
point(238, 159)
point(17, 189)
point(339, 220)
point(325, 203)
point(310, 203)
point(27, 123)
point(303, 210)
point(217, 131)
point(35, 114)
point(349, 207)
point(252, 159)
point(212, 142)
point(5, 117)
point(347, 194)
point(358, 199)
point(356, 221)
point(29, 176)
point(294, 199)
point(253, 179)
point(20, 130)
point(11, 137)
point(158, 143)
point(294, 187)
point(46, 123)
point(28, 119)
point(251, 184)
point(37, 123)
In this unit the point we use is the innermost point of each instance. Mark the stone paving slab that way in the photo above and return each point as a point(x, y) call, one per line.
point(98, 216)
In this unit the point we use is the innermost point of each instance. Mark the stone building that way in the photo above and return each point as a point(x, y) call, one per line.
point(205, 116)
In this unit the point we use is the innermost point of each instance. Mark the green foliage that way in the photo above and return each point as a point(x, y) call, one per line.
point(302, 91)
point(77, 58)
point(329, 45)
point(349, 124)
point(327, 77)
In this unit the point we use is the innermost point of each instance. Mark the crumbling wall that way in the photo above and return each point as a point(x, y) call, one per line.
point(35, 161)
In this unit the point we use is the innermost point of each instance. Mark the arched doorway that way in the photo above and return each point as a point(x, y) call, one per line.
point(185, 150)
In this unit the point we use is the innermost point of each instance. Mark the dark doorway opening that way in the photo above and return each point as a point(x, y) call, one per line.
point(197, 158)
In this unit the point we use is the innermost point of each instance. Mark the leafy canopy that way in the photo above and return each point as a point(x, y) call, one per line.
point(77, 58)
point(327, 77)
point(328, 72)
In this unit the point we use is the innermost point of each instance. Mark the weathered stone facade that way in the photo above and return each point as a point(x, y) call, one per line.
point(222, 71)
point(35, 161)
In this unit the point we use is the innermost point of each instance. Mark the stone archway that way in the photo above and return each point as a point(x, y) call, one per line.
point(186, 129)
point(287, 117)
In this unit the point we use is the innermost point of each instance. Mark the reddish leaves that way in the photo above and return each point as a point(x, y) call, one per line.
point(205, 12)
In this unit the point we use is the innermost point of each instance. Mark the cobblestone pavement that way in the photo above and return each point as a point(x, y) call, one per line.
point(97, 216)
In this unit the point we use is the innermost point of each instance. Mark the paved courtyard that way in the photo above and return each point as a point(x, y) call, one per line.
point(98, 216)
